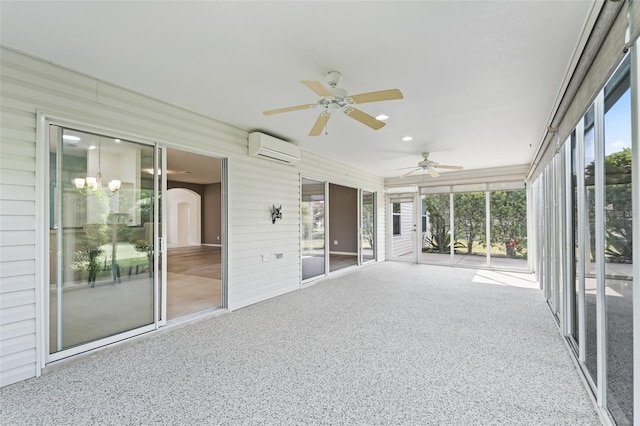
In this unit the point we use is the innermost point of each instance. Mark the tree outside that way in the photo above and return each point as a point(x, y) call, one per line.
point(509, 223)
point(436, 238)
point(469, 221)
point(618, 205)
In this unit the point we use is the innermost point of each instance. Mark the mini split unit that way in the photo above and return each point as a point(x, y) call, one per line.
point(270, 148)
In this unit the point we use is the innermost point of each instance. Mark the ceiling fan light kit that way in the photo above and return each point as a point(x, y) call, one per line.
point(336, 99)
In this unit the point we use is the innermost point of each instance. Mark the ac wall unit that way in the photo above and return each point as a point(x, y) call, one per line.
point(270, 148)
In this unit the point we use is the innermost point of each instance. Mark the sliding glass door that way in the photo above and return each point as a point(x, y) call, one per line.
point(367, 226)
point(103, 202)
point(313, 228)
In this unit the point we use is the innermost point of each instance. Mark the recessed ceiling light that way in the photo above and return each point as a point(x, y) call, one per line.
point(70, 138)
point(92, 147)
point(407, 138)
point(382, 117)
point(117, 140)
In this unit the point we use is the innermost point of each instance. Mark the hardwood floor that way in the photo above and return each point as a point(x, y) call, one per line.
point(193, 280)
point(200, 261)
point(341, 261)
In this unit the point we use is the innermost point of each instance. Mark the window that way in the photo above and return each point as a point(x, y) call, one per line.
point(396, 219)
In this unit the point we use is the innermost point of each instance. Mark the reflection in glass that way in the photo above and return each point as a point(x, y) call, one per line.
point(589, 253)
point(436, 227)
point(101, 277)
point(312, 238)
point(618, 244)
point(368, 226)
point(470, 228)
point(508, 211)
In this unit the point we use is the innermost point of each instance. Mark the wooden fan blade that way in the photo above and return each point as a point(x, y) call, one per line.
point(433, 173)
point(444, 166)
point(288, 109)
point(412, 171)
point(364, 118)
point(317, 87)
point(382, 95)
point(320, 124)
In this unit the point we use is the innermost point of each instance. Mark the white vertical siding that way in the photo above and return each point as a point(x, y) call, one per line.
point(29, 85)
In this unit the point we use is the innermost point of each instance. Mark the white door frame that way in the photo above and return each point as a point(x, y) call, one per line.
point(413, 198)
point(44, 357)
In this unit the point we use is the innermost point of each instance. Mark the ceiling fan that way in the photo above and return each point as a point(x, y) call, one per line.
point(334, 99)
point(429, 166)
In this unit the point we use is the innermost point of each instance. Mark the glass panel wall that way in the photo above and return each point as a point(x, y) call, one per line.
point(503, 211)
point(470, 246)
point(557, 237)
point(313, 229)
point(508, 212)
point(574, 288)
point(598, 226)
point(436, 228)
point(368, 220)
point(618, 228)
point(101, 267)
point(589, 250)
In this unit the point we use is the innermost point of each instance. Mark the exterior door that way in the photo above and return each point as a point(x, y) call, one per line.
point(103, 267)
point(402, 238)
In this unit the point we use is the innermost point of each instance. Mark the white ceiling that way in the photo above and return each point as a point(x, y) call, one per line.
point(479, 78)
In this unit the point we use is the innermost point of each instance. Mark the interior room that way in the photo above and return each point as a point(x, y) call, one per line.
point(194, 233)
point(343, 227)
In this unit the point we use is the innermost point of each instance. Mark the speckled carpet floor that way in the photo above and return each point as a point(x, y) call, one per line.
point(387, 344)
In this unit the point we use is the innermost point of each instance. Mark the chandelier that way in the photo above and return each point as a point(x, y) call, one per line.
point(90, 185)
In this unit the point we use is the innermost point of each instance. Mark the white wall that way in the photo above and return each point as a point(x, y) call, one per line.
point(183, 229)
point(29, 86)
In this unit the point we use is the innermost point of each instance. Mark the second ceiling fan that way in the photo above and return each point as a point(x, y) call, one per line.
point(334, 99)
point(429, 166)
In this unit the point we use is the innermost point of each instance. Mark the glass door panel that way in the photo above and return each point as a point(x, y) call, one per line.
point(313, 228)
point(574, 255)
point(508, 211)
point(368, 218)
point(436, 228)
point(589, 249)
point(101, 216)
point(470, 244)
point(618, 240)
point(159, 230)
